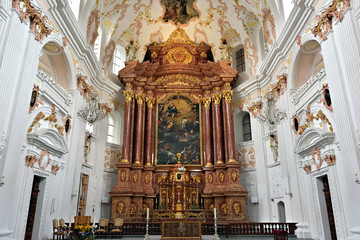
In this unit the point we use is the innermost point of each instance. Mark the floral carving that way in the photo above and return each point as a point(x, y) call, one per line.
point(38, 21)
point(324, 21)
point(55, 169)
point(316, 152)
point(43, 154)
point(92, 26)
point(255, 108)
point(251, 56)
point(268, 17)
point(83, 87)
point(105, 108)
point(310, 119)
point(307, 169)
point(278, 88)
point(30, 161)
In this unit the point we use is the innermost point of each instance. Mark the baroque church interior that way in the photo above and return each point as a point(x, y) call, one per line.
point(180, 118)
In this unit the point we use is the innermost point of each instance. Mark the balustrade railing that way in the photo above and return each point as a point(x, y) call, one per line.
point(207, 228)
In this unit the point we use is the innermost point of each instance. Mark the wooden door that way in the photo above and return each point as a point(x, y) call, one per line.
point(32, 208)
point(329, 208)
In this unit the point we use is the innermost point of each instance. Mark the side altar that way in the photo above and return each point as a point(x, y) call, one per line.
point(178, 155)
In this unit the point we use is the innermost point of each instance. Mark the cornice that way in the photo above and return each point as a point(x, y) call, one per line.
point(64, 18)
point(295, 25)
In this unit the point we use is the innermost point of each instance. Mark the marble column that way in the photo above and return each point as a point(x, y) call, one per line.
point(207, 131)
point(218, 141)
point(140, 98)
point(129, 95)
point(149, 130)
point(229, 121)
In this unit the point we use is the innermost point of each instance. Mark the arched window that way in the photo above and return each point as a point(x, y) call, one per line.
point(240, 60)
point(246, 126)
point(114, 128)
point(119, 59)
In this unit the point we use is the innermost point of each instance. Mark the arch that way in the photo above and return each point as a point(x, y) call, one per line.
point(281, 212)
point(118, 60)
point(59, 62)
point(307, 62)
point(114, 128)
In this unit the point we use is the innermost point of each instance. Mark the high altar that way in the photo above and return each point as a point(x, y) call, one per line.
point(178, 154)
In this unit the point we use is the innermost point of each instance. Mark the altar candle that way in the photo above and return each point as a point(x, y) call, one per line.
point(214, 212)
point(70, 222)
point(147, 213)
point(94, 222)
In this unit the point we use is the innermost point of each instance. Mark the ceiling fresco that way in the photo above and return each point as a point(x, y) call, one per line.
point(148, 21)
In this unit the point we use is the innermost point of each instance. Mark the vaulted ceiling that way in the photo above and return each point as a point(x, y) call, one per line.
point(241, 22)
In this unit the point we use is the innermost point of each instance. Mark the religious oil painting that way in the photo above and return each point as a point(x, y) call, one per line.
point(178, 131)
point(179, 11)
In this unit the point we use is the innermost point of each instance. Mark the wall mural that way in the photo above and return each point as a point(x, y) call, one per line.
point(178, 131)
point(179, 11)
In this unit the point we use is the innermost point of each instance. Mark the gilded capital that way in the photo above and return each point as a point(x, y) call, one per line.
point(129, 94)
point(227, 95)
point(150, 102)
point(216, 97)
point(140, 97)
point(206, 101)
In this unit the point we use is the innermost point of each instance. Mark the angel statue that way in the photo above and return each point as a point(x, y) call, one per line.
point(130, 51)
point(225, 50)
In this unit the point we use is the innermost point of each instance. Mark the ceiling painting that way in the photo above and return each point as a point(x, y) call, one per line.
point(179, 11)
point(148, 21)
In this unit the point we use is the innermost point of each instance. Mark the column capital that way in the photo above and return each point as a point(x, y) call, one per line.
point(150, 102)
point(216, 97)
point(140, 97)
point(206, 101)
point(227, 95)
point(128, 94)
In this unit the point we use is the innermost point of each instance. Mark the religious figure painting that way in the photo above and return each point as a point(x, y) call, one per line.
point(178, 131)
point(179, 11)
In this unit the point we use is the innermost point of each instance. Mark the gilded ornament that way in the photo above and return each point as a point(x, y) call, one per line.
point(140, 97)
point(150, 102)
point(227, 95)
point(120, 207)
point(203, 55)
point(179, 55)
point(147, 178)
point(154, 55)
point(136, 177)
point(237, 208)
point(206, 101)
point(129, 94)
point(216, 98)
point(179, 36)
point(233, 175)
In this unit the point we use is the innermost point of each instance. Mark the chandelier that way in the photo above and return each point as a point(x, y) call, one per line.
point(92, 112)
point(271, 114)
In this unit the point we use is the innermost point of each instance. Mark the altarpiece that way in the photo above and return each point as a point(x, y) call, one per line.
point(178, 154)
